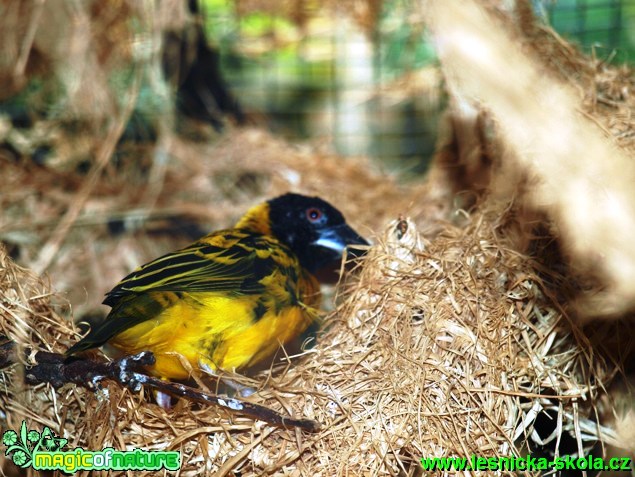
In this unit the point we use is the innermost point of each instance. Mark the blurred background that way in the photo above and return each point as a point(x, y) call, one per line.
point(366, 81)
point(362, 78)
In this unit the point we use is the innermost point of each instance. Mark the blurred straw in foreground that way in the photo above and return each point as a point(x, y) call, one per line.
point(577, 174)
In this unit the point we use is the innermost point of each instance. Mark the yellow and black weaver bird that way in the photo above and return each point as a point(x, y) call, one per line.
point(231, 299)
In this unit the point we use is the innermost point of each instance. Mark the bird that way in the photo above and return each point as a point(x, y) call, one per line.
point(231, 299)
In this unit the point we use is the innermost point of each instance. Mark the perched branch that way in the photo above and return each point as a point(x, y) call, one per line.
point(57, 370)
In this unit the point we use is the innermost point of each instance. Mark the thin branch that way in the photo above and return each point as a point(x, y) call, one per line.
point(58, 370)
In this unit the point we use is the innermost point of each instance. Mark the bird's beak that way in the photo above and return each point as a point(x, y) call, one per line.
point(338, 238)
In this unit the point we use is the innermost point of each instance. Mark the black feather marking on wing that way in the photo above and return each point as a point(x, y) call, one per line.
point(259, 310)
point(202, 267)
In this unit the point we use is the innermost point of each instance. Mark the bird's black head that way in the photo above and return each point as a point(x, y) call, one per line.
point(314, 229)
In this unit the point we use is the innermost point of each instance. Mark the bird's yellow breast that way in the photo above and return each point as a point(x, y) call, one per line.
point(218, 331)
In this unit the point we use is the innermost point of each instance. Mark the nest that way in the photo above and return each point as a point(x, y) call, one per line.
point(449, 339)
point(451, 348)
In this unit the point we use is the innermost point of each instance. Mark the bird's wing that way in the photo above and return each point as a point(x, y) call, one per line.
point(229, 262)
point(233, 263)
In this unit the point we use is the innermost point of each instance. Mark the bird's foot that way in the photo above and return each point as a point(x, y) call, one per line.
point(240, 389)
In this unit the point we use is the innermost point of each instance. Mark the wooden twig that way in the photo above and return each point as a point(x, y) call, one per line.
point(57, 370)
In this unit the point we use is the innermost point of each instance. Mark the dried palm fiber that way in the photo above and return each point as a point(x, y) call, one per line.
point(537, 124)
point(564, 138)
point(307, 391)
point(445, 351)
point(28, 318)
point(435, 351)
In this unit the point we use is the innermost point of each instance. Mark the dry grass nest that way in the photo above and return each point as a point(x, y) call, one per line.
point(449, 348)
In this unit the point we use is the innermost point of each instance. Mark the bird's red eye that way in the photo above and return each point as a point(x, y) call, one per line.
point(313, 214)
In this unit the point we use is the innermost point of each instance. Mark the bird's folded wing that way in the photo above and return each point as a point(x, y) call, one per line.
point(235, 268)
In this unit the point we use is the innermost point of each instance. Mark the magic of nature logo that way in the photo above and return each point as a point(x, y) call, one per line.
point(44, 451)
